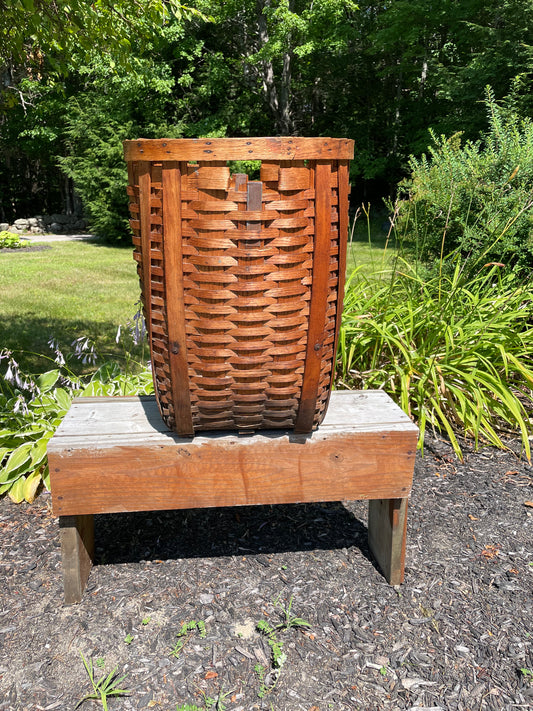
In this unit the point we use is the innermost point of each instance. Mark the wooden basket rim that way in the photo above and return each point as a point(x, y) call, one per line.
point(215, 149)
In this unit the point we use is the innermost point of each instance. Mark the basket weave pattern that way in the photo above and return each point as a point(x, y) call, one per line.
point(240, 284)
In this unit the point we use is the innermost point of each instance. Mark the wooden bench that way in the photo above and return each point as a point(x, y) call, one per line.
point(115, 454)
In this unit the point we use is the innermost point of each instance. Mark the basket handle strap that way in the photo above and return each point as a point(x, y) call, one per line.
point(319, 299)
point(173, 266)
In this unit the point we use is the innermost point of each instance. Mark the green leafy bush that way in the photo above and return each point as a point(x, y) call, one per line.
point(8, 240)
point(453, 351)
point(476, 197)
point(32, 407)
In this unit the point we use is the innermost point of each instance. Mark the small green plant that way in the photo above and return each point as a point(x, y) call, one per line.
point(278, 656)
point(183, 636)
point(290, 619)
point(8, 240)
point(100, 662)
point(128, 639)
point(383, 671)
point(216, 703)
point(104, 687)
point(146, 620)
point(527, 674)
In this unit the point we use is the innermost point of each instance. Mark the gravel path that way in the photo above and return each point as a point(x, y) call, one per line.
point(456, 635)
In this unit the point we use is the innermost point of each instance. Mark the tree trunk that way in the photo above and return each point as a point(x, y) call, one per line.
point(267, 76)
point(278, 99)
point(285, 115)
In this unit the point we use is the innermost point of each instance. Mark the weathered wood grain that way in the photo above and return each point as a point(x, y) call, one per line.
point(316, 331)
point(387, 527)
point(77, 551)
point(210, 149)
point(173, 256)
point(115, 454)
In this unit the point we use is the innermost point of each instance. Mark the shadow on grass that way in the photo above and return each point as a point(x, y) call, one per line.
point(243, 530)
point(28, 337)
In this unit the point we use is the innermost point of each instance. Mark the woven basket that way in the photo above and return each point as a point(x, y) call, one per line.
point(242, 281)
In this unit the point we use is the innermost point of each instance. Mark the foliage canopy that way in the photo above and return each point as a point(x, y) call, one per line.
point(382, 73)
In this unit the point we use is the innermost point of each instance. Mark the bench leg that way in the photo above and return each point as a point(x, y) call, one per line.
point(77, 551)
point(387, 528)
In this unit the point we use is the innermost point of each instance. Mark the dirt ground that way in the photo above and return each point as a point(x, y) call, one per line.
point(456, 635)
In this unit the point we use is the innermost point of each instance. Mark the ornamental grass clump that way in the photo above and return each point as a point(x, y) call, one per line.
point(454, 350)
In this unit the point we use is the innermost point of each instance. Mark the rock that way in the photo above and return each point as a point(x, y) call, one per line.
point(56, 228)
point(4, 226)
point(21, 224)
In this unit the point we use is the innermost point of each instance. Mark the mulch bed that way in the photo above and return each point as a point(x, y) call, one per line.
point(455, 635)
point(24, 250)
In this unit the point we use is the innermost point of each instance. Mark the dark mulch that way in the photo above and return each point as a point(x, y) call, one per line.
point(29, 248)
point(455, 635)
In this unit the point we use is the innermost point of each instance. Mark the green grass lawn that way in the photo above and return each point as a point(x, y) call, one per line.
point(74, 289)
point(370, 245)
point(71, 289)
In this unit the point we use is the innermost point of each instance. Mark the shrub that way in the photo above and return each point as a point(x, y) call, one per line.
point(32, 407)
point(475, 198)
point(8, 240)
point(453, 350)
